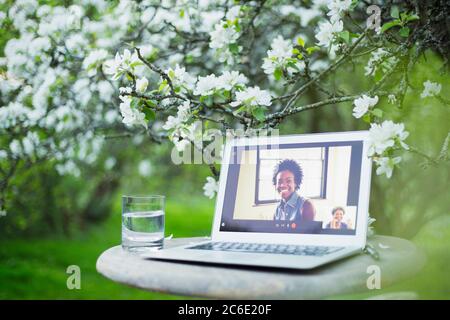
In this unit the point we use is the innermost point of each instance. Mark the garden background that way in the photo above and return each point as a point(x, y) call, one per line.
point(54, 220)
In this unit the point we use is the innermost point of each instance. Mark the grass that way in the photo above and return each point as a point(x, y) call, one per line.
point(36, 269)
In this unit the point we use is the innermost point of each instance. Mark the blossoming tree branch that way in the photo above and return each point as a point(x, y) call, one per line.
point(168, 65)
point(293, 66)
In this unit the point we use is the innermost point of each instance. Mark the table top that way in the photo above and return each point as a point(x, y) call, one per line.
point(399, 260)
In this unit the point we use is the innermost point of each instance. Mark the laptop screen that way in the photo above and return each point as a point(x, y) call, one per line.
point(308, 188)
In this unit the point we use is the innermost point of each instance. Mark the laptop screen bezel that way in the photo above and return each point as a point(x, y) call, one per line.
point(359, 239)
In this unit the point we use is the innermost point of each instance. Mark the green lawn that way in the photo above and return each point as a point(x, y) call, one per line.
point(35, 269)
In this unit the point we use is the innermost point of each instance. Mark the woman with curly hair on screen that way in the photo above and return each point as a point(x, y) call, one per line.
point(287, 178)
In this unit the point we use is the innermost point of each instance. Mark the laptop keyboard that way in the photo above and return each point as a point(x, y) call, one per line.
point(317, 251)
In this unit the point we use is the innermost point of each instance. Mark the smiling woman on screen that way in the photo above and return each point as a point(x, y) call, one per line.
point(287, 178)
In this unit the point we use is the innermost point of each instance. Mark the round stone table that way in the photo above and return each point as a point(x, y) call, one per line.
point(399, 260)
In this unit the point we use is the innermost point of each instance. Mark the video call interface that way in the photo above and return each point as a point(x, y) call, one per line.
point(307, 188)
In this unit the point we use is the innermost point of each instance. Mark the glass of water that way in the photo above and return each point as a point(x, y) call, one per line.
point(143, 223)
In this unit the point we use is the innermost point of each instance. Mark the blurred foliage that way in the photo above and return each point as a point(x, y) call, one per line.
point(42, 202)
point(416, 193)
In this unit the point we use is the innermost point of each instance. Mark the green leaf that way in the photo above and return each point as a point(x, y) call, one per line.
point(189, 58)
point(226, 94)
point(234, 48)
point(312, 49)
point(366, 118)
point(259, 113)
point(389, 25)
point(171, 74)
point(345, 35)
point(404, 32)
point(150, 114)
point(301, 42)
point(182, 13)
point(295, 51)
point(209, 100)
point(278, 73)
point(292, 65)
point(378, 75)
point(395, 12)
point(135, 64)
point(134, 103)
point(241, 109)
point(162, 85)
point(377, 112)
point(412, 17)
point(150, 103)
point(354, 4)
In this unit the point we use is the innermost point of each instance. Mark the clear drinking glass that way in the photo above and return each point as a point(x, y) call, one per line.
point(143, 222)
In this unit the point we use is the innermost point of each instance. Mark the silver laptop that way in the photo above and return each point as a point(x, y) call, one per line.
point(297, 201)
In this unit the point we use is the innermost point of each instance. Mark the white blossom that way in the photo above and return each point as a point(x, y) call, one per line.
point(141, 85)
point(362, 105)
point(226, 33)
point(93, 60)
point(386, 165)
point(145, 168)
point(337, 7)
point(121, 63)
point(392, 98)
point(222, 36)
point(13, 114)
point(206, 85)
point(430, 89)
point(110, 163)
point(2, 17)
point(131, 116)
point(29, 143)
point(181, 78)
point(123, 90)
point(386, 136)
point(105, 91)
point(253, 96)
point(233, 13)
point(183, 136)
point(183, 114)
point(230, 79)
point(278, 55)
point(327, 31)
point(69, 167)
point(16, 148)
point(211, 187)
point(3, 154)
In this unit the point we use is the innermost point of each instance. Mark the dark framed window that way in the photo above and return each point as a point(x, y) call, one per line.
point(313, 161)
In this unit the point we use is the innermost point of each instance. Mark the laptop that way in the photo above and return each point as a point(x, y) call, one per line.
point(294, 201)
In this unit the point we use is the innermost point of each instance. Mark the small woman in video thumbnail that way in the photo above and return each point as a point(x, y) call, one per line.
point(338, 216)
